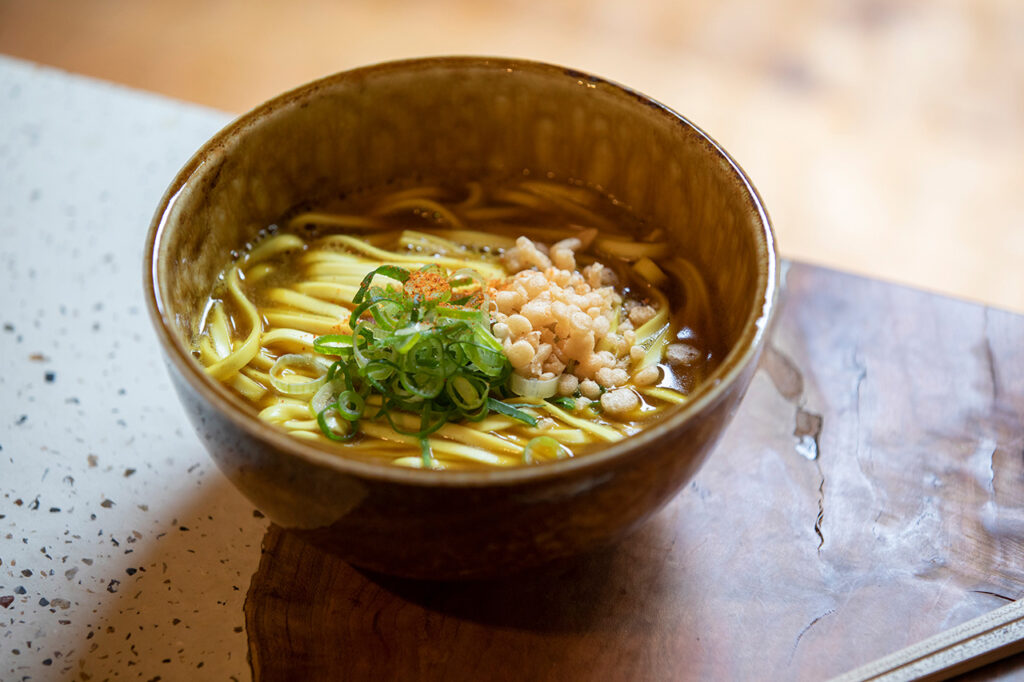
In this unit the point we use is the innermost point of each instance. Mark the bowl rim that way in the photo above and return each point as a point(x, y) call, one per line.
point(745, 351)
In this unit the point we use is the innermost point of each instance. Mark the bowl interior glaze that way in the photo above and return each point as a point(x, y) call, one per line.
point(451, 119)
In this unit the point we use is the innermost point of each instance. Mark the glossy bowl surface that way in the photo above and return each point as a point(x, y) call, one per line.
point(447, 118)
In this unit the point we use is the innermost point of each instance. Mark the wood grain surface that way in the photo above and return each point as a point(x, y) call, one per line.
point(867, 496)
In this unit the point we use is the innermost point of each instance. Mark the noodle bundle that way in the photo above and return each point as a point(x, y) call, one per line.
point(488, 325)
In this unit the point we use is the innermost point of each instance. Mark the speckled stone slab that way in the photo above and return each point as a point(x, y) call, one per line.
point(123, 551)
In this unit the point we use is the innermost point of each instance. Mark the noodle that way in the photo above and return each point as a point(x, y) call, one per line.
point(299, 292)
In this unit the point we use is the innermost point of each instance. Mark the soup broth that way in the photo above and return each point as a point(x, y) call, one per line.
point(486, 324)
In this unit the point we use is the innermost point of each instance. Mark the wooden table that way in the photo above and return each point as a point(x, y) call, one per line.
point(868, 495)
point(124, 552)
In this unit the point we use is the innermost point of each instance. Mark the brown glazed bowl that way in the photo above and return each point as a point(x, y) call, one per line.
point(459, 117)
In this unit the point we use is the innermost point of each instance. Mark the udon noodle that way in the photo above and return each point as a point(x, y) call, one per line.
point(493, 324)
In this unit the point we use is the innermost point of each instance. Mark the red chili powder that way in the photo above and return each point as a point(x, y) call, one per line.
point(429, 284)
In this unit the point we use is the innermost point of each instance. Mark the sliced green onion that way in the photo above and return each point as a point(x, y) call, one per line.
point(295, 362)
point(325, 396)
point(427, 426)
point(426, 386)
point(466, 277)
point(564, 402)
point(350, 405)
point(332, 344)
point(412, 354)
point(379, 370)
point(477, 316)
point(485, 338)
point(362, 339)
point(334, 428)
point(426, 454)
point(510, 411)
point(544, 449)
point(386, 312)
point(533, 388)
point(467, 392)
point(392, 271)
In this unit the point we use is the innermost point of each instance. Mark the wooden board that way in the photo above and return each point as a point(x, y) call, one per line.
point(869, 494)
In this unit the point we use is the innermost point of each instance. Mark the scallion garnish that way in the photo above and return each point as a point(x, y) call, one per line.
point(564, 402)
point(510, 411)
point(423, 353)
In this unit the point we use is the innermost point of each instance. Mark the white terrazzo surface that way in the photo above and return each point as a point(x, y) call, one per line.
point(124, 553)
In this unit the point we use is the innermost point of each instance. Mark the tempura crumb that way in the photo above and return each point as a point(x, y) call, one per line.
point(619, 401)
point(641, 314)
point(681, 354)
point(567, 384)
point(590, 389)
point(555, 321)
point(647, 376)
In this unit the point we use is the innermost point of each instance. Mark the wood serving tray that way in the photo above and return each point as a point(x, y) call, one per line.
point(869, 494)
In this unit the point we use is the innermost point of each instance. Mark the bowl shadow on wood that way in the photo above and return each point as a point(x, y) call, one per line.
point(310, 608)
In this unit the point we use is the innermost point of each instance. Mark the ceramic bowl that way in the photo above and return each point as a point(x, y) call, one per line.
point(459, 117)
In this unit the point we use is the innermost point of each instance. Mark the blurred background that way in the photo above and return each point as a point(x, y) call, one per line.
point(886, 136)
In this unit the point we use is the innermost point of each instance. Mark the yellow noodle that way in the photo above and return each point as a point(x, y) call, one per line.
point(258, 272)
point(217, 328)
point(473, 197)
point(307, 303)
point(523, 199)
point(416, 463)
point(207, 353)
point(557, 196)
point(349, 274)
point(429, 242)
point(486, 213)
point(306, 322)
point(600, 430)
point(459, 450)
point(329, 256)
point(458, 432)
point(271, 247)
point(697, 299)
point(301, 424)
point(561, 434)
point(486, 269)
point(281, 412)
point(239, 358)
point(630, 250)
point(256, 375)
point(421, 204)
point(329, 291)
point(250, 389)
point(495, 422)
point(349, 222)
point(263, 361)
point(666, 394)
point(579, 195)
point(477, 239)
point(472, 436)
point(292, 340)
